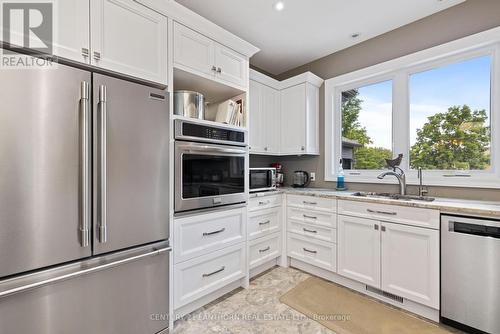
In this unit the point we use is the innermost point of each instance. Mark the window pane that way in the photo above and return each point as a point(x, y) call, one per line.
point(450, 116)
point(367, 126)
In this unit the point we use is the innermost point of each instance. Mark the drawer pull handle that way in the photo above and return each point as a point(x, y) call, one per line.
point(375, 227)
point(383, 228)
point(205, 234)
point(382, 212)
point(310, 231)
point(264, 202)
point(310, 251)
point(265, 222)
point(310, 203)
point(310, 217)
point(214, 272)
point(265, 249)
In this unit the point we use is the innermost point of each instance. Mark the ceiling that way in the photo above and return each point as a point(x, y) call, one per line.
point(310, 29)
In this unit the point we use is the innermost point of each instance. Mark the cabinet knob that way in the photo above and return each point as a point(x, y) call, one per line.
point(303, 148)
point(375, 227)
point(266, 148)
point(383, 228)
point(97, 55)
point(219, 70)
point(85, 52)
point(214, 68)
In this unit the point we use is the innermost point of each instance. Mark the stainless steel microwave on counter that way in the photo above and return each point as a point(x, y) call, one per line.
point(210, 166)
point(262, 179)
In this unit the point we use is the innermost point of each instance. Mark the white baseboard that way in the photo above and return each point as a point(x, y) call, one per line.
point(263, 267)
point(186, 309)
point(407, 305)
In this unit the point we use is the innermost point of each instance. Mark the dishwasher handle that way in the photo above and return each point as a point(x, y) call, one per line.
point(486, 230)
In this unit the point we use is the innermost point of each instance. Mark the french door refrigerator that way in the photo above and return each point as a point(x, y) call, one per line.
point(83, 203)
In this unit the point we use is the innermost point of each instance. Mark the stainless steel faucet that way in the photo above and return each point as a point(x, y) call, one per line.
point(422, 191)
point(400, 175)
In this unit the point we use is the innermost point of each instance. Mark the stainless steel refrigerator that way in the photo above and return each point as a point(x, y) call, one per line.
point(83, 203)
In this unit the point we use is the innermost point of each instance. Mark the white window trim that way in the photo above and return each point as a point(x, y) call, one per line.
point(399, 70)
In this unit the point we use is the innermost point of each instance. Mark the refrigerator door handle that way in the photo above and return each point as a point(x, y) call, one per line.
point(79, 273)
point(85, 163)
point(103, 233)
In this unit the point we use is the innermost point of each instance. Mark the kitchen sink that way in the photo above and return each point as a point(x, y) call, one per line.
point(394, 196)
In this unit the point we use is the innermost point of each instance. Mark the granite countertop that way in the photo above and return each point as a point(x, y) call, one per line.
point(444, 205)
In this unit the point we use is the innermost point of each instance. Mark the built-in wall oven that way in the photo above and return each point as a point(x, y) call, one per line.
point(211, 166)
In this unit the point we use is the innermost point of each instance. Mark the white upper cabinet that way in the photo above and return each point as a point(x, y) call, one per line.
point(231, 66)
point(285, 115)
point(72, 34)
point(193, 51)
point(256, 114)
point(198, 54)
point(300, 114)
point(293, 134)
point(264, 119)
point(129, 38)
point(410, 263)
point(358, 241)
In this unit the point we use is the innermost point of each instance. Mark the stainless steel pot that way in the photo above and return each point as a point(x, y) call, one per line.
point(189, 104)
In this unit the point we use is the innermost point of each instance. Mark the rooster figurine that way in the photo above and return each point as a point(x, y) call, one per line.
point(393, 163)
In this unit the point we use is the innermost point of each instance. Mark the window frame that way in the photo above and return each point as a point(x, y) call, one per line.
point(399, 71)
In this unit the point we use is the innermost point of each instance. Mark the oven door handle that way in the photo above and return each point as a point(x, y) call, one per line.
point(208, 148)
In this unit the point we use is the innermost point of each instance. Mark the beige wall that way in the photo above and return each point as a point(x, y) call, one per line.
point(468, 18)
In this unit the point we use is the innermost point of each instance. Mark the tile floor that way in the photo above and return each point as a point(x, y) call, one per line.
point(256, 310)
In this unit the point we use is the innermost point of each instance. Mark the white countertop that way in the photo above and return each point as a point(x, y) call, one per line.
point(444, 205)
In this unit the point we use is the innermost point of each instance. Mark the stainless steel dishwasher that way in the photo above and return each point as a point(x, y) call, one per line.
point(470, 273)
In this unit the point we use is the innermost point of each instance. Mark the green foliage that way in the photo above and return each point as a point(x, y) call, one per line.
point(351, 128)
point(371, 157)
point(456, 139)
point(365, 157)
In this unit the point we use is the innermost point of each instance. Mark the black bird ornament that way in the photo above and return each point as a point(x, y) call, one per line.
point(393, 163)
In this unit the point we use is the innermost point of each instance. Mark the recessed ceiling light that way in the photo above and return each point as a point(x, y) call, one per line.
point(355, 35)
point(279, 6)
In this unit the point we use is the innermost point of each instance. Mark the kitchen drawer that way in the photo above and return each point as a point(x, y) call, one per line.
point(264, 249)
point(311, 203)
point(203, 275)
point(319, 218)
point(264, 202)
point(204, 233)
point(263, 222)
point(315, 252)
point(312, 231)
point(392, 213)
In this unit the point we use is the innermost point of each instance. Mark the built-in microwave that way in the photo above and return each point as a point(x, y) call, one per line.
point(262, 179)
point(210, 166)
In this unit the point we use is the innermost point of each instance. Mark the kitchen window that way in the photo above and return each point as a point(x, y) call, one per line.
point(366, 126)
point(439, 107)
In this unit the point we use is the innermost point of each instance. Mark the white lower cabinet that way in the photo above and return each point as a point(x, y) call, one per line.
point(200, 276)
point(264, 249)
point(265, 228)
point(359, 249)
point(396, 258)
point(410, 263)
point(210, 253)
point(318, 253)
point(263, 222)
point(200, 234)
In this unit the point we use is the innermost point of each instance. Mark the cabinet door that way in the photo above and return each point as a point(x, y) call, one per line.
point(293, 119)
point(231, 66)
point(410, 263)
point(193, 52)
point(257, 137)
point(129, 38)
point(72, 38)
point(359, 249)
point(271, 119)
